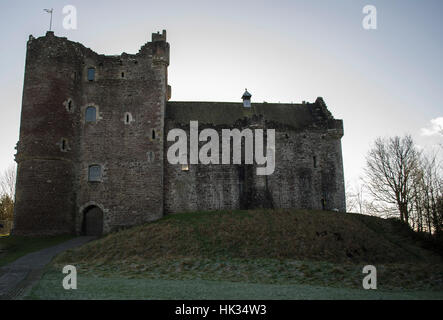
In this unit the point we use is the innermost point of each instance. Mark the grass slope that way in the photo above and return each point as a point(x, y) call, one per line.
point(282, 247)
point(278, 234)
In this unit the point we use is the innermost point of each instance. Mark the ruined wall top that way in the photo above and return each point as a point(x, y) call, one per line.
point(157, 48)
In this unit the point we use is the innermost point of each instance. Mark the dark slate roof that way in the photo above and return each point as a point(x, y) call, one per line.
point(228, 113)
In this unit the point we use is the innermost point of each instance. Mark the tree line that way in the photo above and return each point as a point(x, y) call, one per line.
point(7, 192)
point(402, 181)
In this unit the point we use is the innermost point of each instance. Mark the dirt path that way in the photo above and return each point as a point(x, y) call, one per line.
point(19, 276)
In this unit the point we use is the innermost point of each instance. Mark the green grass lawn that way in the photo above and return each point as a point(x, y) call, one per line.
point(14, 247)
point(93, 288)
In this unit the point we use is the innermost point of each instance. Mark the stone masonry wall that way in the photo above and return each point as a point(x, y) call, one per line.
point(308, 174)
point(131, 191)
point(45, 196)
point(53, 191)
point(128, 141)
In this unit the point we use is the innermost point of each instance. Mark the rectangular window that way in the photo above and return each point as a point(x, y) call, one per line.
point(95, 173)
point(91, 74)
point(91, 114)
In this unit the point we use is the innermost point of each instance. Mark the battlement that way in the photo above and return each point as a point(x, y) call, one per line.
point(159, 37)
point(157, 47)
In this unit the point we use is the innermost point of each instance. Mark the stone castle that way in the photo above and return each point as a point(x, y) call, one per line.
point(91, 155)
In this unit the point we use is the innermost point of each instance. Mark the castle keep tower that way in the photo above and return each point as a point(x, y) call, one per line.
point(90, 154)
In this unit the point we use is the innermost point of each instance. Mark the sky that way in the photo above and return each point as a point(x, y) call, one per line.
point(382, 82)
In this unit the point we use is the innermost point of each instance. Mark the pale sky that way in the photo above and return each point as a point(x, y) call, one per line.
point(382, 82)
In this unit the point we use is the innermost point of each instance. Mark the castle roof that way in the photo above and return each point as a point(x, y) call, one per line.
point(296, 116)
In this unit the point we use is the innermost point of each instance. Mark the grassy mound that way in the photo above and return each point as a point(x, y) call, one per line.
point(275, 234)
point(264, 246)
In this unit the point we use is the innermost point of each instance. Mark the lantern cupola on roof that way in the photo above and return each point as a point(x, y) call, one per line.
point(246, 99)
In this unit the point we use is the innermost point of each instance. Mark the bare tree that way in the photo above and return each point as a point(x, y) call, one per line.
point(6, 208)
point(7, 192)
point(351, 203)
point(355, 200)
point(428, 189)
point(7, 181)
point(389, 173)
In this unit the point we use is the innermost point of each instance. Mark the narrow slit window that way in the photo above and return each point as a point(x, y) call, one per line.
point(91, 74)
point(314, 159)
point(95, 173)
point(128, 118)
point(153, 134)
point(64, 145)
point(123, 74)
point(91, 114)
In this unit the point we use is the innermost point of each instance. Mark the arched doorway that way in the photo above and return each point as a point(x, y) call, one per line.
point(93, 221)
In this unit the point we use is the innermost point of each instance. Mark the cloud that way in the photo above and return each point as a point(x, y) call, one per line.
point(436, 128)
